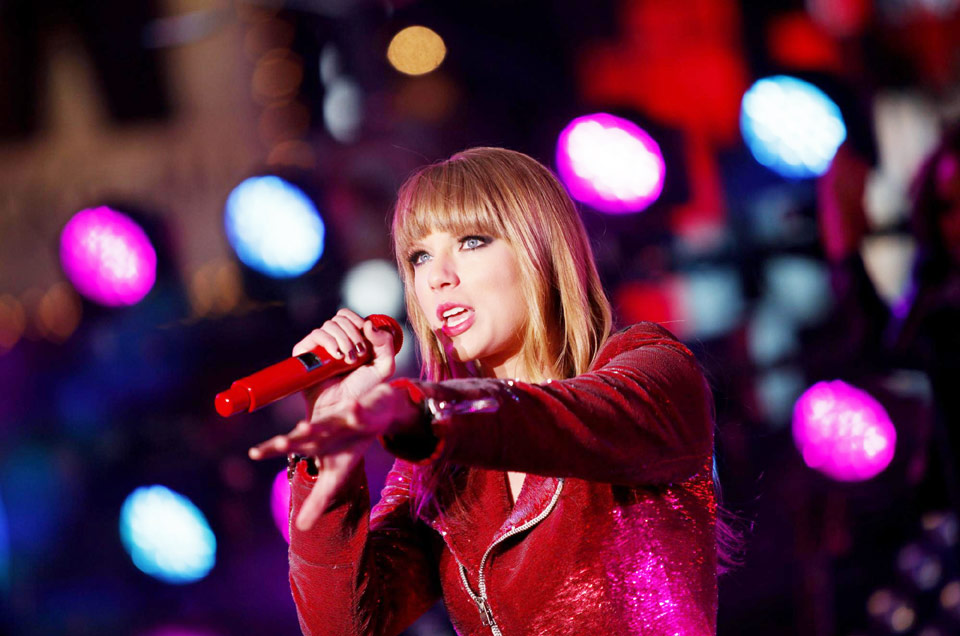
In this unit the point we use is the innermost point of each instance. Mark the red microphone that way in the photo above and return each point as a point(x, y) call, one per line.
point(297, 373)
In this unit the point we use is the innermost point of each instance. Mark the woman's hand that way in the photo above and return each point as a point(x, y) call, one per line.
point(347, 336)
point(338, 437)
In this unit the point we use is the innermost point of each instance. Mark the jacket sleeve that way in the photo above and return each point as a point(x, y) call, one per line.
point(357, 571)
point(641, 415)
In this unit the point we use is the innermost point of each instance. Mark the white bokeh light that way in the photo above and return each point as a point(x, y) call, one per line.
point(274, 227)
point(343, 109)
point(166, 535)
point(791, 126)
point(373, 287)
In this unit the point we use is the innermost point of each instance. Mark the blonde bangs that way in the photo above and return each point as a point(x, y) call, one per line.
point(442, 198)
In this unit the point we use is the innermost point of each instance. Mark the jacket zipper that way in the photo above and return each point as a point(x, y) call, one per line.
point(483, 604)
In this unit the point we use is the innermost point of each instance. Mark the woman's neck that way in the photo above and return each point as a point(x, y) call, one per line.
point(509, 370)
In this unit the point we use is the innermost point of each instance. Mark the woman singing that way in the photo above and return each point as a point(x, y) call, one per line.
point(550, 478)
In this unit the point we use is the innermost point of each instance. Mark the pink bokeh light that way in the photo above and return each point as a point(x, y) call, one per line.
point(610, 163)
point(280, 503)
point(843, 432)
point(108, 257)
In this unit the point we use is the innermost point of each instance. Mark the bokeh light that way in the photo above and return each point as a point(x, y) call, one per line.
point(406, 358)
point(108, 257)
point(658, 301)
point(941, 528)
point(330, 63)
point(842, 431)
point(416, 50)
point(58, 312)
point(791, 126)
point(280, 503)
point(840, 18)
point(950, 598)
point(890, 611)
point(343, 109)
point(888, 260)
point(919, 566)
point(166, 535)
point(713, 300)
point(771, 335)
point(610, 163)
point(277, 76)
point(795, 41)
point(798, 286)
point(776, 391)
point(294, 153)
point(13, 321)
point(373, 287)
point(274, 227)
point(216, 288)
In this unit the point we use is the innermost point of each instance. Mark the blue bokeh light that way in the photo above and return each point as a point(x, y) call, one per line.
point(274, 227)
point(166, 535)
point(791, 126)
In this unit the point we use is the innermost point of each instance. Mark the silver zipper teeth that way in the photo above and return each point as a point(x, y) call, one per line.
point(486, 614)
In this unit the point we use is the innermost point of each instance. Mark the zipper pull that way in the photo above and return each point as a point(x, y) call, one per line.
point(486, 614)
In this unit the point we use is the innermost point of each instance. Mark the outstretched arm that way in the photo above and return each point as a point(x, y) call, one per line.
point(357, 571)
point(641, 416)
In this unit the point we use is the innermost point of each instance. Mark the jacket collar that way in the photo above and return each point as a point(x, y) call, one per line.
point(469, 532)
point(533, 499)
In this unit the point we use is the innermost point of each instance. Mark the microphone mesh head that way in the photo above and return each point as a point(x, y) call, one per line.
point(382, 321)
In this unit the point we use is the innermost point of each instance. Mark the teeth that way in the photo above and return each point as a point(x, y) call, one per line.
point(453, 312)
point(452, 322)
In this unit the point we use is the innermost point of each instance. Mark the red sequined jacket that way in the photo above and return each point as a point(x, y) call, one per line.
point(612, 533)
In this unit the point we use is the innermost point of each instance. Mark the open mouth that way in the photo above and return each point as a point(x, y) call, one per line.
point(453, 317)
point(456, 320)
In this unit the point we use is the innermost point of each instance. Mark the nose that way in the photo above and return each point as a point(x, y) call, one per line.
point(443, 272)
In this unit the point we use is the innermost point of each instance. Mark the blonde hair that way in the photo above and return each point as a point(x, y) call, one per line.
point(510, 196)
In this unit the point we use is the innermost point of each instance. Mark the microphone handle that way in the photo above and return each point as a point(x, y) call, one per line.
point(283, 379)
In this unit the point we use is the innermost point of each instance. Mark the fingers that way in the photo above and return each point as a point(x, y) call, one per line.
point(282, 444)
point(352, 316)
point(273, 447)
point(321, 437)
point(336, 470)
point(384, 356)
point(349, 337)
point(341, 336)
point(318, 338)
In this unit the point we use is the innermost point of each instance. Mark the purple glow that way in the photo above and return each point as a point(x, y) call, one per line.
point(108, 257)
point(280, 503)
point(843, 432)
point(609, 163)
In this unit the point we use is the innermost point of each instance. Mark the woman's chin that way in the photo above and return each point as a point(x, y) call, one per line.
point(461, 353)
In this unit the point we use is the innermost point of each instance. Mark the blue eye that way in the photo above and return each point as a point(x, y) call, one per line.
point(417, 258)
point(473, 242)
